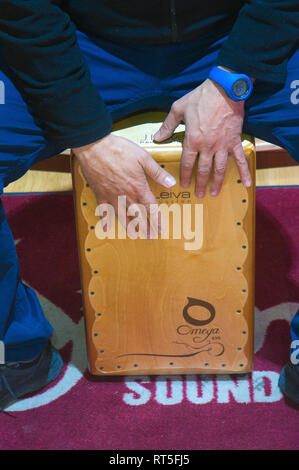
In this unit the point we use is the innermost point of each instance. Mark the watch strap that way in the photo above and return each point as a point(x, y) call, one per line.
point(228, 79)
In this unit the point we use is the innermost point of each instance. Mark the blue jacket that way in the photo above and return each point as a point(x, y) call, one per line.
point(38, 42)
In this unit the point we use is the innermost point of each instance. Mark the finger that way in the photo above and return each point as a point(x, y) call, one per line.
point(156, 219)
point(107, 213)
point(156, 172)
point(139, 222)
point(103, 211)
point(187, 164)
point(220, 164)
point(171, 122)
point(133, 216)
point(121, 211)
point(240, 159)
point(205, 163)
point(190, 150)
point(106, 219)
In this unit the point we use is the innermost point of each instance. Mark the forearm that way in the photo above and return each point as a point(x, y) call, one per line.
point(39, 46)
point(262, 38)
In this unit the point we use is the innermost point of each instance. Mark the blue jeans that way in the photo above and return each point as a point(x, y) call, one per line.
point(130, 78)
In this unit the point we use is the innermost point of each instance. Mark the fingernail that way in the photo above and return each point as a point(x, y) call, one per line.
point(213, 193)
point(169, 181)
point(247, 183)
point(157, 135)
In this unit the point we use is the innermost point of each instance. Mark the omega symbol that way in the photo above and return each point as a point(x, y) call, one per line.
point(201, 303)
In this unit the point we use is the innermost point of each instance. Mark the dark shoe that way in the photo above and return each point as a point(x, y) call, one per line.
point(19, 379)
point(289, 382)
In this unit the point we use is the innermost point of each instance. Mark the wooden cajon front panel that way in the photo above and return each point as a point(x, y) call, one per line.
point(155, 307)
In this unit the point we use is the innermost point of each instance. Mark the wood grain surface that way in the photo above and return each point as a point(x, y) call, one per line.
point(155, 307)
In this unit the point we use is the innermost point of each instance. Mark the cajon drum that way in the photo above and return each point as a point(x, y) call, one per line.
point(170, 305)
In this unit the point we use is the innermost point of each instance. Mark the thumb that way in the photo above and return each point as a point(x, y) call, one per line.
point(169, 125)
point(158, 174)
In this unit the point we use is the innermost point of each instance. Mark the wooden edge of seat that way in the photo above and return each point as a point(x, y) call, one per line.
point(268, 156)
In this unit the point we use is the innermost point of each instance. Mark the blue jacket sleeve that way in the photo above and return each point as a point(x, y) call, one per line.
point(262, 38)
point(39, 46)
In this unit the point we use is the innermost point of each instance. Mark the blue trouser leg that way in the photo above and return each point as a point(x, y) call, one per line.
point(129, 79)
point(22, 320)
point(23, 326)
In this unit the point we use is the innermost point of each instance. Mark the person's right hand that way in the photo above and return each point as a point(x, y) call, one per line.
point(115, 166)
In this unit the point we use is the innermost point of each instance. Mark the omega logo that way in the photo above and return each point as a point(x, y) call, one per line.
point(201, 303)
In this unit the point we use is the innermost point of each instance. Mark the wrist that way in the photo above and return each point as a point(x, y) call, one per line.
point(234, 104)
point(86, 148)
point(237, 86)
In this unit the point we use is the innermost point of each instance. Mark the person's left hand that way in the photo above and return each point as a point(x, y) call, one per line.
point(213, 127)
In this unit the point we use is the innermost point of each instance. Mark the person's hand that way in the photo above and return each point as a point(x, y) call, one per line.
point(115, 166)
point(213, 129)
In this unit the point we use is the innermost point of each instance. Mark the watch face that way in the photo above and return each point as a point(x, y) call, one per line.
point(240, 87)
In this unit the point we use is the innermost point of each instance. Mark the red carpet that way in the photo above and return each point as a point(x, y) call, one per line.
point(169, 413)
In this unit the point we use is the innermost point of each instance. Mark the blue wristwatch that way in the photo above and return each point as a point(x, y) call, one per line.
point(238, 86)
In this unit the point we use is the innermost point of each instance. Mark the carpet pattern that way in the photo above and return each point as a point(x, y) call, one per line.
point(79, 411)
